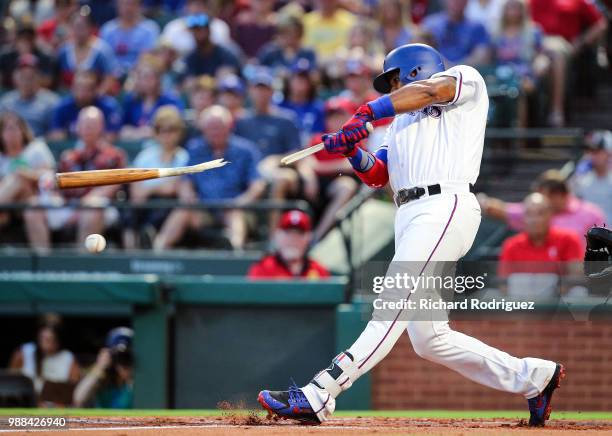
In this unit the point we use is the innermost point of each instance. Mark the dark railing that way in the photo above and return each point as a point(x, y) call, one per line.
point(260, 205)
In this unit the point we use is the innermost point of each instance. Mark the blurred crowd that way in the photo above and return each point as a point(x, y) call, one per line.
point(552, 222)
point(55, 378)
point(99, 85)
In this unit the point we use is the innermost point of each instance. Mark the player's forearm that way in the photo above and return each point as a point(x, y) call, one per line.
point(414, 96)
point(371, 169)
point(493, 207)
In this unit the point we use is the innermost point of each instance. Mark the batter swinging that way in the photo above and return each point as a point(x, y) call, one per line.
point(431, 158)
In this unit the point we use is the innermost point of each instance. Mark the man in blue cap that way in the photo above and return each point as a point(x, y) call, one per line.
point(207, 57)
point(431, 158)
point(273, 129)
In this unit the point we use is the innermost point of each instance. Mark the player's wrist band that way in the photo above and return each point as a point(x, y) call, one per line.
point(361, 161)
point(382, 107)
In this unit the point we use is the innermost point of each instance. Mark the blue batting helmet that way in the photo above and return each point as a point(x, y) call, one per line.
point(413, 61)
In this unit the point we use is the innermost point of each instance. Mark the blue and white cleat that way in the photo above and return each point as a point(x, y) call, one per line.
point(540, 406)
point(291, 404)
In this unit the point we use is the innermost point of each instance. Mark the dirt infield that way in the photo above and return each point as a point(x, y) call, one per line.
point(255, 424)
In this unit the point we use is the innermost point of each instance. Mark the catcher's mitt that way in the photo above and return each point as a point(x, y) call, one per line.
point(598, 255)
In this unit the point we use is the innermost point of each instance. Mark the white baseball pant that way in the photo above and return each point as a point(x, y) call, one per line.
point(437, 228)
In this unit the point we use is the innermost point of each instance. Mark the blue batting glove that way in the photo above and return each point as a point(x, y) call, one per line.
point(338, 143)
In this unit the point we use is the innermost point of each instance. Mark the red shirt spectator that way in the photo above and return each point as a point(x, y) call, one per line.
point(273, 266)
point(290, 260)
point(105, 156)
point(567, 18)
point(520, 254)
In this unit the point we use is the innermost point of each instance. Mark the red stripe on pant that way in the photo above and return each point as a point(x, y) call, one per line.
point(422, 269)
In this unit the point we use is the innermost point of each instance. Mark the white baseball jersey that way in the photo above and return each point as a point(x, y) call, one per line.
point(441, 143)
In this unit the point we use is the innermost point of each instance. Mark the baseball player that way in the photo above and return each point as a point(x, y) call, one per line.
point(431, 158)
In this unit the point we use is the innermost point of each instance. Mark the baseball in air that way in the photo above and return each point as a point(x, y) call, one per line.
point(95, 243)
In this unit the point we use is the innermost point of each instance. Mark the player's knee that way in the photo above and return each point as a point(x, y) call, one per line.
point(424, 341)
point(422, 346)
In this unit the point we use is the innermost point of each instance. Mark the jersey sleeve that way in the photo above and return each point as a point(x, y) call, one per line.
point(469, 87)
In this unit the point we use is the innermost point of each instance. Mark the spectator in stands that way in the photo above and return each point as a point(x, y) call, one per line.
point(25, 43)
point(460, 40)
point(486, 12)
point(207, 57)
point(84, 92)
point(254, 26)
point(570, 27)
point(109, 383)
point(130, 34)
point(595, 185)
point(231, 93)
point(33, 103)
point(53, 370)
point(168, 58)
point(23, 160)
point(85, 51)
point(358, 81)
point(301, 98)
point(534, 259)
point(326, 29)
point(91, 152)
point(177, 33)
point(287, 47)
point(140, 105)
point(238, 182)
point(290, 259)
point(32, 10)
point(202, 94)
point(327, 181)
point(55, 31)
point(569, 212)
point(364, 41)
point(164, 151)
point(394, 24)
point(272, 129)
point(518, 44)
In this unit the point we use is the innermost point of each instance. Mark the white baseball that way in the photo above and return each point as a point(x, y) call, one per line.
point(95, 243)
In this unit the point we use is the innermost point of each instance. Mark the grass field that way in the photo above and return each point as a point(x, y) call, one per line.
point(443, 414)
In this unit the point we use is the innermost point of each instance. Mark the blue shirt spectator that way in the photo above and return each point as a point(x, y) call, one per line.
point(67, 112)
point(229, 181)
point(287, 49)
point(101, 60)
point(31, 102)
point(274, 133)
point(36, 111)
point(135, 113)
point(310, 116)
point(130, 34)
point(460, 40)
point(271, 128)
